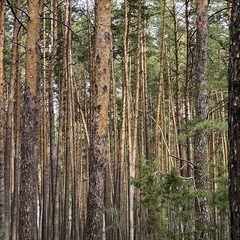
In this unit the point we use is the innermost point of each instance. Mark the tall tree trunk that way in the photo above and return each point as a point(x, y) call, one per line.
point(160, 112)
point(57, 230)
point(115, 149)
point(144, 79)
point(127, 94)
point(17, 79)
point(52, 135)
point(177, 94)
point(58, 184)
point(187, 83)
point(29, 144)
point(67, 66)
point(234, 122)
point(9, 150)
point(99, 134)
point(46, 220)
point(201, 108)
point(121, 172)
point(135, 127)
point(2, 189)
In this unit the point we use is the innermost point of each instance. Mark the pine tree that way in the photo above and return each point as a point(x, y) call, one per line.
point(234, 122)
point(99, 125)
point(201, 107)
point(29, 136)
point(2, 188)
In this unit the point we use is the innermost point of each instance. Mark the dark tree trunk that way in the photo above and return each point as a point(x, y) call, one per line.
point(234, 122)
point(2, 189)
point(13, 119)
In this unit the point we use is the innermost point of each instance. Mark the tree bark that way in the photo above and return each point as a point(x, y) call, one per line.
point(52, 134)
point(11, 216)
point(17, 112)
point(187, 77)
point(29, 144)
point(178, 97)
point(99, 124)
point(2, 188)
point(67, 65)
point(201, 108)
point(160, 112)
point(234, 122)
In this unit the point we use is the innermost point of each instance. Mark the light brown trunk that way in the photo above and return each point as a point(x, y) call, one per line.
point(29, 151)
point(178, 82)
point(67, 66)
point(130, 170)
point(46, 219)
point(99, 125)
point(160, 115)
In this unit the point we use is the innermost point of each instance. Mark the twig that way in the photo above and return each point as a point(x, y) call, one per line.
point(184, 160)
point(14, 14)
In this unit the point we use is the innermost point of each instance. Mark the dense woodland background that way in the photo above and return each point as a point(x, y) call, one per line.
point(167, 119)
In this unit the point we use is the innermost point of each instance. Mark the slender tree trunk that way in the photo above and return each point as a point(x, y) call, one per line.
point(57, 230)
point(52, 135)
point(46, 220)
point(127, 93)
point(75, 223)
point(135, 131)
point(178, 81)
point(9, 147)
point(229, 7)
point(201, 107)
point(58, 185)
point(99, 135)
point(137, 81)
point(29, 144)
point(234, 122)
point(67, 65)
point(187, 87)
point(17, 79)
point(144, 79)
point(121, 173)
point(2, 188)
point(171, 122)
point(115, 151)
point(160, 115)
point(10, 151)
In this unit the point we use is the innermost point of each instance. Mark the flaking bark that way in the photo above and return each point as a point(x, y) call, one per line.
point(201, 108)
point(234, 122)
point(99, 124)
point(29, 143)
